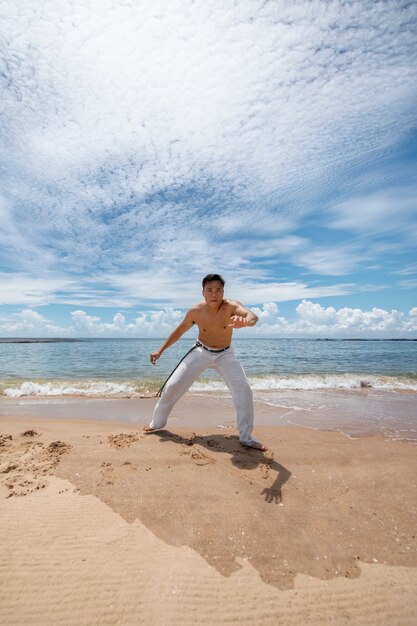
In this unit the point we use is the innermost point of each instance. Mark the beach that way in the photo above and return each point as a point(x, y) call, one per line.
point(104, 524)
point(212, 204)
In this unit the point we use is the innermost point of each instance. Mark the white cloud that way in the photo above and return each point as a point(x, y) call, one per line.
point(387, 211)
point(251, 286)
point(410, 283)
point(29, 323)
point(153, 323)
point(253, 292)
point(315, 313)
point(126, 126)
point(84, 322)
point(23, 289)
point(411, 268)
point(355, 322)
point(164, 288)
point(269, 311)
point(312, 320)
point(317, 321)
point(332, 261)
point(18, 288)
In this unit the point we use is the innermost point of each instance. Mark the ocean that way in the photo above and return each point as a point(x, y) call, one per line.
point(356, 387)
point(121, 368)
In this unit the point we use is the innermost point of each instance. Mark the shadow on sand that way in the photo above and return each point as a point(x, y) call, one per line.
point(241, 457)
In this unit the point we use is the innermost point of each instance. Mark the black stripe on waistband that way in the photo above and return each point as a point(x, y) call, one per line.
point(200, 345)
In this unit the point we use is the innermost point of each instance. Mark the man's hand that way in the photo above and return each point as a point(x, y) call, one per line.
point(154, 357)
point(238, 321)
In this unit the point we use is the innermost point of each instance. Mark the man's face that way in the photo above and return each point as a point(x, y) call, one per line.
point(213, 292)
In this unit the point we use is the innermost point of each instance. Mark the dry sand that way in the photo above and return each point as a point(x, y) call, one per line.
point(102, 524)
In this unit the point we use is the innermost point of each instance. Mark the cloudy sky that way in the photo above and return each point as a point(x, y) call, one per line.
point(145, 143)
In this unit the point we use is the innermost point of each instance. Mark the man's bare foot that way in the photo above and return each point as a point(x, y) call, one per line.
point(149, 429)
point(257, 446)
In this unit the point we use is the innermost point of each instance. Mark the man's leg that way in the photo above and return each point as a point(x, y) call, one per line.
point(191, 367)
point(234, 376)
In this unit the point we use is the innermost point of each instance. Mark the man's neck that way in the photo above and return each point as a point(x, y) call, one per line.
point(214, 309)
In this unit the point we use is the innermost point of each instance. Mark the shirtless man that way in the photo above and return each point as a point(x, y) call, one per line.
point(216, 318)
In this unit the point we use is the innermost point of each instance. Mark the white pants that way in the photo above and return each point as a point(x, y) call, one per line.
point(233, 375)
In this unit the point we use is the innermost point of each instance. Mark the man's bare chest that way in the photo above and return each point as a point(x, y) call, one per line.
point(213, 323)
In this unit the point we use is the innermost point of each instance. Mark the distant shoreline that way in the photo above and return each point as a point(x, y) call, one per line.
point(72, 340)
point(44, 340)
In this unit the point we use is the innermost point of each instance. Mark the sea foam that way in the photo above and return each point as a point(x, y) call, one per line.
point(80, 388)
point(311, 382)
point(141, 388)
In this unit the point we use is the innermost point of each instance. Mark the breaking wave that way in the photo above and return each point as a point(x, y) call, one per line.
point(310, 382)
point(142, 388)
point(94, 389)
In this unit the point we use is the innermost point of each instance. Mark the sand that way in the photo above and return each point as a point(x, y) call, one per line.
point(102, 524)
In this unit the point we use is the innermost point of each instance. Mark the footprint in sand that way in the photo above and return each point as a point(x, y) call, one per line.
point(122, 440)
point(5, 441)
point(111, 474)
point(31, 433)
point(197, 456)
point(129, 465)
point(200, 458)
point(264, 470)
point(107, 473)
point(242, 462)
point(53, 453)
point(185, 448)
point(212, 443)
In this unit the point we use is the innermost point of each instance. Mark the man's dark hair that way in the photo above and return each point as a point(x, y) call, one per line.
point(210, 277)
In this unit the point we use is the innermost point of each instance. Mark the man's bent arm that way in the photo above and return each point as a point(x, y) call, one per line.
point(246, 315)
point(182, 328)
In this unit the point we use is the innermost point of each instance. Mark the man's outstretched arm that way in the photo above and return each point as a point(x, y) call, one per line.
point(182, 328)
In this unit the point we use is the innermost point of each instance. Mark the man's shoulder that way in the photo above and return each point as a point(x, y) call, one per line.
point(195, 308)
point(231, 303)
point(201, 306)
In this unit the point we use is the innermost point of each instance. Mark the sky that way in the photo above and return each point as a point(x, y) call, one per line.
point(144, 144)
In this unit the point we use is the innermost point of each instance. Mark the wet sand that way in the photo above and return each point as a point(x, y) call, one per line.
point(104, 524)
point(352, 412)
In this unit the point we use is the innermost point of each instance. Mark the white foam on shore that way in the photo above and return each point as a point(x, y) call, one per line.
point(82, 388)
point(128, 389)
point(310, 382)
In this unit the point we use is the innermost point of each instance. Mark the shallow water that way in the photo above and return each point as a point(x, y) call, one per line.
point(353, 413)
point(121, 368)
point(357, 387)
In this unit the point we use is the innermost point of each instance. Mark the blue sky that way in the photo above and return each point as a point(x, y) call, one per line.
point(145, 144)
